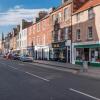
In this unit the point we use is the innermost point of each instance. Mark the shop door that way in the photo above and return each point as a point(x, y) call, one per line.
point(68, 55)
point(86, 54)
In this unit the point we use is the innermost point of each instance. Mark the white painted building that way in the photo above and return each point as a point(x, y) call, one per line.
point(22, 40)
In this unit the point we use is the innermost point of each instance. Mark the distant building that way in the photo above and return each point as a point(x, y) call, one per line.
point(22, 36)
point(39, 38)
point(0, 46)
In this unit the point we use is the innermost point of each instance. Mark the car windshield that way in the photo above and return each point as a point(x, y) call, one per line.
point(16, 55)
point(26, 55)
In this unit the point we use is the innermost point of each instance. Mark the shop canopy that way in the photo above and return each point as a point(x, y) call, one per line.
point(87, 46)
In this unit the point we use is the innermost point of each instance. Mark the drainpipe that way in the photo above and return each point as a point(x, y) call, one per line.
point(71, 30)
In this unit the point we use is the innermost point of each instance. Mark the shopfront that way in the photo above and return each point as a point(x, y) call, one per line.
point(61, 52)
point(41, 52)
point(90, 53)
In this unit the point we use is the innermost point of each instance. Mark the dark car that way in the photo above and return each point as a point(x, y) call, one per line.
point(16, 57)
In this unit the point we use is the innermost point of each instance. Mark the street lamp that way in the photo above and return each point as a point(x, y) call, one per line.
point(32, 50)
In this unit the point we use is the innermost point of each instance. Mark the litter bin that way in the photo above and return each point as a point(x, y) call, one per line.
point(85, 66)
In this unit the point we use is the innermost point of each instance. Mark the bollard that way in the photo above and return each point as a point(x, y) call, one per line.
point(85, 66)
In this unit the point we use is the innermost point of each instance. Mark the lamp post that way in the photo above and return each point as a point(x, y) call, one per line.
point(32, 50)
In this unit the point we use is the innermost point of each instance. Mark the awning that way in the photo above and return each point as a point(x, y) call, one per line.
point(87, 46)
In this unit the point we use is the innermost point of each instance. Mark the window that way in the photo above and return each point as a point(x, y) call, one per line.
point(79, 53)
point(66, 33)
point(38, 40)
point(44, 39)
point(33, 40)
point(78, 17)
point(90, 33)
point(38, 27)
point(43, 25)
point(59, 16)
point(90, 13)
point(78, 34)
point(67, 13)
point(30, 30)
point(59, 35)
point(95, 55)
point(53, 18)
point(33, 29)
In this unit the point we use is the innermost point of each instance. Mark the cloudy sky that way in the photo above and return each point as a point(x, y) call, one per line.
point(12, 11)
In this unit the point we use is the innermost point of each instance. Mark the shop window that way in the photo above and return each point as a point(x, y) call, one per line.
point(79, 53)
point(92, 54)
point(95, 55)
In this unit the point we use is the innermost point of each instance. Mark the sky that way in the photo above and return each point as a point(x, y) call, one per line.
point(13, 11)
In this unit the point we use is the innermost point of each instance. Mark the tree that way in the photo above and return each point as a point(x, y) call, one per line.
point(2, 37)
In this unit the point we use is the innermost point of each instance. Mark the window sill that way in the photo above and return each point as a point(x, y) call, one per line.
point(89, 39)
point(78, 40)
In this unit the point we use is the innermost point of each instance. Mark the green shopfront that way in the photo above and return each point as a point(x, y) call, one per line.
point(90, 52)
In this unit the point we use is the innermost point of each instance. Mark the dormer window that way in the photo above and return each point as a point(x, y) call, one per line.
point(90, 13)
point(78, 17)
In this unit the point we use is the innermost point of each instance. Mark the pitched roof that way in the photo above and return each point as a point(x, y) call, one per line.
point(87, 5)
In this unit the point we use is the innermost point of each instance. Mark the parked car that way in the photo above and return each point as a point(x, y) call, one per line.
point(26, 58)
point(16, 57)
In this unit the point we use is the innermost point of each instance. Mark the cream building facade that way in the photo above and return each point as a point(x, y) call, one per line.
point(86, 34)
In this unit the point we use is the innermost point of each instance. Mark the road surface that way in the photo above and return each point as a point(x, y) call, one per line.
point(27, 81)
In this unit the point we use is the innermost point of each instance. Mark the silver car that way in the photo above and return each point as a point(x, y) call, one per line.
point(26, 58)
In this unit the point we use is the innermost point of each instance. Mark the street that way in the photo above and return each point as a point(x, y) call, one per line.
point(27, 81)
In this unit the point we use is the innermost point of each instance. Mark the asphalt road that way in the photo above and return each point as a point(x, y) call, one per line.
point(27, 81)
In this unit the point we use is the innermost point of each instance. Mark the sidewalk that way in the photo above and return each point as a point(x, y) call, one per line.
point(92, 71)
point(58, 64)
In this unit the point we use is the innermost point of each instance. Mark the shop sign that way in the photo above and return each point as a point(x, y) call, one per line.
point(58, 45)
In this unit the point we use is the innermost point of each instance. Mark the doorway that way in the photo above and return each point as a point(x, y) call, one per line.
point(68, 55)
point(86, 54)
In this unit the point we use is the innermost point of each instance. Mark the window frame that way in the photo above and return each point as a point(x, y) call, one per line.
point(78, 35)
point(90, 32)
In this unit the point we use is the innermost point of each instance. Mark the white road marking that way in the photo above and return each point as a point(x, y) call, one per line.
point(28, 73)
point(13, 67)
point(37, 76)
point(84, 94)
